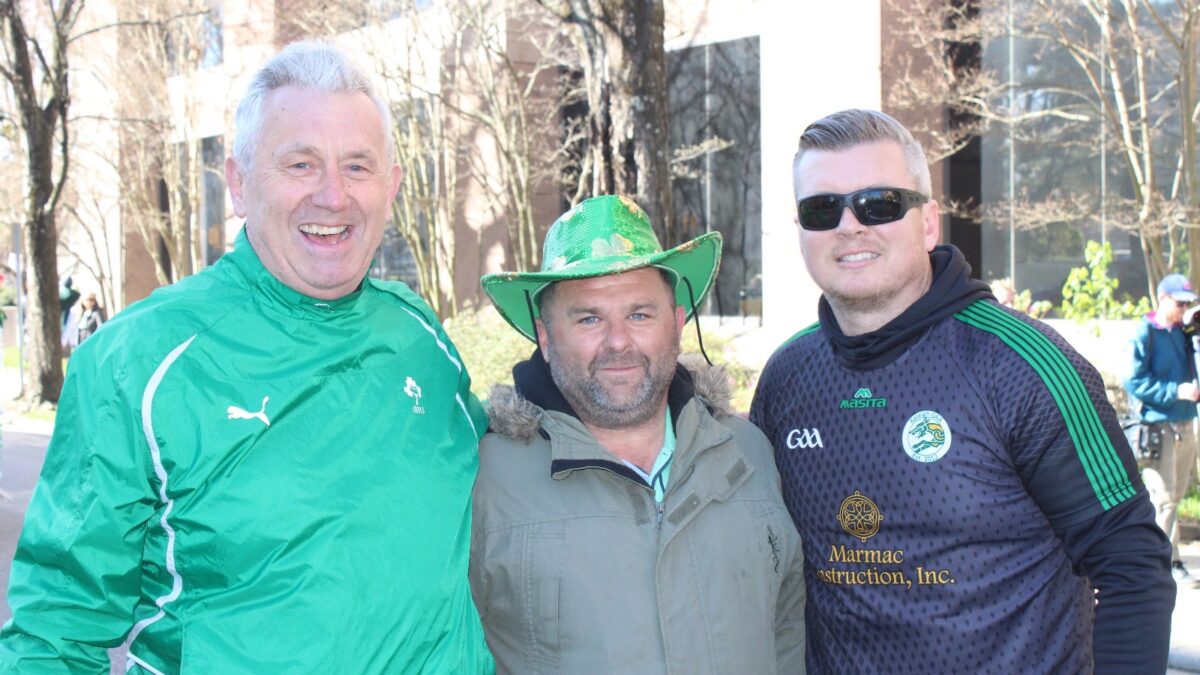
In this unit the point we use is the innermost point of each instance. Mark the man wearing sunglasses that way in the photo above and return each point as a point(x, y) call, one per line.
point(966, 498)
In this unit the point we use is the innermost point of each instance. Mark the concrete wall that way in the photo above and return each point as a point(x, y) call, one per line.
point(817, 58)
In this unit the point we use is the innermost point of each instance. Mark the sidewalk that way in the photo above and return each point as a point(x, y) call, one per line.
point(10, 389)
point(1185, 624)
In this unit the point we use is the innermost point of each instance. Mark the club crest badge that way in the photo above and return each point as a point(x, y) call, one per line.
point(926, 436)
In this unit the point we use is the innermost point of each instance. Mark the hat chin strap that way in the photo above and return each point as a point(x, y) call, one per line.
point(532, 318)
point(696, 318)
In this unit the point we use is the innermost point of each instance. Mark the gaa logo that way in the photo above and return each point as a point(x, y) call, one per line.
point(804, 438)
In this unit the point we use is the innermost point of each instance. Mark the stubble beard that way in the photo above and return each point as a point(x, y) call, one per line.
point(595, 404)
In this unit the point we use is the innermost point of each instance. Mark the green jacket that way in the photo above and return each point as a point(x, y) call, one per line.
point(575, 570)
point(243, 479)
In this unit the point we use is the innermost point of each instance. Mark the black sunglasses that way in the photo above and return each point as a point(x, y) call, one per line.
point(874, 206)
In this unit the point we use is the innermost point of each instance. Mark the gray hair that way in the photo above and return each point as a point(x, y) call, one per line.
point(309, 65)
point(850, 128)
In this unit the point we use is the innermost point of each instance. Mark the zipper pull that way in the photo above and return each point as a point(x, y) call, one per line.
point(661, 507)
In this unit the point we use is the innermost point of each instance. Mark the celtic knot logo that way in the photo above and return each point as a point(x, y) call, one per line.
point(859, 516)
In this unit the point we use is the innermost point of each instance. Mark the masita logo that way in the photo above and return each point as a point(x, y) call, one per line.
point(804, 438)
point(863, 399)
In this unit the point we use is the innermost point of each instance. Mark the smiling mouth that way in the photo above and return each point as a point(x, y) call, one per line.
point(325, 234)
point(858, 257)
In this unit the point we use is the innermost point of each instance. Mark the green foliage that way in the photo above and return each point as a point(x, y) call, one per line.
point(1189, 506)
point(1090, 293)
point(490, 348)
point(8, 296)
point(1023, 302)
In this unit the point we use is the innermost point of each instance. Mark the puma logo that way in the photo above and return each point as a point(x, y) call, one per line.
point(236, 413)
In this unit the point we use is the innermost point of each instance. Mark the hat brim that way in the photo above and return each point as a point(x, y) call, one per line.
point(1184, 296)
point(695, 264)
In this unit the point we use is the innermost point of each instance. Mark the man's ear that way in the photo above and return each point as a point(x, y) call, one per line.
point(396, 176)
point(681, 319)
point(933, 225)
point(543, 336)
point(236, 182)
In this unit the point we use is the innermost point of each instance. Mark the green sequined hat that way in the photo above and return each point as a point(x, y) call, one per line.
point(604, 235)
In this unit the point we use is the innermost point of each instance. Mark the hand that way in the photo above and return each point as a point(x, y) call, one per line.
point(1188, 392)
point(1190, 314)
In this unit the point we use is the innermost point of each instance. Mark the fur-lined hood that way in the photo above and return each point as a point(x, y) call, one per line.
point(513, 416)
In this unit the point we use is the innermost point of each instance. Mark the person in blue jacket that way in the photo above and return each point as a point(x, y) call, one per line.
point(1163, 380)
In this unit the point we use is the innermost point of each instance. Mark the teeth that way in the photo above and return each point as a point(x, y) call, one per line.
point(323, 229)
point(855, 257)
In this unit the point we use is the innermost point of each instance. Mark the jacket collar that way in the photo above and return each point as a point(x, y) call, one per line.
point(248, 265)
point(698, 433)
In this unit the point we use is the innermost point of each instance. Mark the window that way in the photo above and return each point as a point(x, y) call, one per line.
point(714, 96)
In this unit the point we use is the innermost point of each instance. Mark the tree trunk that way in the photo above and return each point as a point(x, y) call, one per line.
point(43, 138)
point(620, 43)
point(43, 314)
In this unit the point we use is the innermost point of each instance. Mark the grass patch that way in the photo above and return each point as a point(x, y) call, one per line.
point(1189, 506)
point(490, 348)
point(10, 357)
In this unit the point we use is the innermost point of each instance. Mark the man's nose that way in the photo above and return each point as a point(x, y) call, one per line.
point(331, 193)
point(617, 338)
point(849, 222)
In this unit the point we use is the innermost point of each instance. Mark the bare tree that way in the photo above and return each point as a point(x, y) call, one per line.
point(161, 159)
point(35, 67)
point(620, 46)
point(94, 247)
point(1124, 68)
point(473, 88)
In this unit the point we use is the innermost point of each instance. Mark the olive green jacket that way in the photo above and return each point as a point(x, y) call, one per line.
point(575, 570)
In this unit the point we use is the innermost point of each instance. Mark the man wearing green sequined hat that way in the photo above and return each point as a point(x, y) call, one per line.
point(625, 520)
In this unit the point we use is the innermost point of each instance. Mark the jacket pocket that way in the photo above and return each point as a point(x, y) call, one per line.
point(542, 566)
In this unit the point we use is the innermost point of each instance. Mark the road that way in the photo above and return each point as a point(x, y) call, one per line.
point(21, 455)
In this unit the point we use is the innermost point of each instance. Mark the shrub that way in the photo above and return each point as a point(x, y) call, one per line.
point(1189, 506)
point(1089, 293)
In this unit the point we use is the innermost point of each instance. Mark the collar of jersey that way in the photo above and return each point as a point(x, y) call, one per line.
point(247, 262)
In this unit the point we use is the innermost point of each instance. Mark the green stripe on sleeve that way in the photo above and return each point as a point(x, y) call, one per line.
point(1093, 446)
point(799, 334)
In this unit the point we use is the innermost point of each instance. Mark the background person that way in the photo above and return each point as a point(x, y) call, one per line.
point(238, 480)
point(971, 504)
point(1163, 379)
point(626, 521)
point(91, 317)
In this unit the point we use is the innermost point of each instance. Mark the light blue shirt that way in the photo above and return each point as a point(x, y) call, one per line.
point(660, 473)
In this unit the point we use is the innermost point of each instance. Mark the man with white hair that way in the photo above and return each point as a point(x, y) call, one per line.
point(239, 479)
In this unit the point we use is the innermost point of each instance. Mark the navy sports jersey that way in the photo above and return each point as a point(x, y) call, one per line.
point(940, 496)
